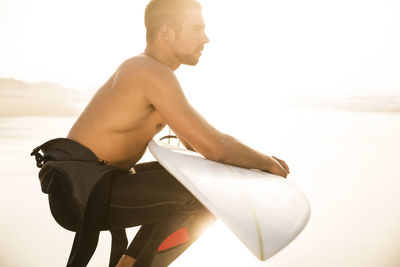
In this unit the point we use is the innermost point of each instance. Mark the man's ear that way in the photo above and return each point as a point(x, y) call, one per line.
point(167, 33)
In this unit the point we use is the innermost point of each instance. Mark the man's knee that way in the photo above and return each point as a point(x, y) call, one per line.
point(191, 206)
point(201, 213)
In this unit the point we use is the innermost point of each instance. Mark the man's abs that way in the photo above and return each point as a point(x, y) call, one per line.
point(113, 149)
point(120, 149)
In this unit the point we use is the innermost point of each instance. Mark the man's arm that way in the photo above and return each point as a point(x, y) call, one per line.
point(185, 144)
point(165, 94)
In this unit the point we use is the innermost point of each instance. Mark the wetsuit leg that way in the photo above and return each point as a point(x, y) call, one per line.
point(170, 216)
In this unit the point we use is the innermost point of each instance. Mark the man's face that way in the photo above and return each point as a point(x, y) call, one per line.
point(190, 41)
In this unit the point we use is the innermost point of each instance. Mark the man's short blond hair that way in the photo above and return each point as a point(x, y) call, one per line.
point(166, 12)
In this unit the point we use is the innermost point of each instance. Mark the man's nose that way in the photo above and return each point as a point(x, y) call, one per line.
point(204, 38)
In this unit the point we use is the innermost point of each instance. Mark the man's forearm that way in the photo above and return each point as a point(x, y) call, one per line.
point(238, 154)
point(231, 151)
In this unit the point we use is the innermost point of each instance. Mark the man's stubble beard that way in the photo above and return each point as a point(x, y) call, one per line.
point(187, 59)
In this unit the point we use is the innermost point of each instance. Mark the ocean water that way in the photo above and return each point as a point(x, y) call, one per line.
point(346, 162)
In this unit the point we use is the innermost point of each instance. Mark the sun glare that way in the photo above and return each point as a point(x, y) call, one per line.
point(288, 46)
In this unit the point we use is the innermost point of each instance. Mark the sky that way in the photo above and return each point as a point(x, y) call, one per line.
point(286, 47)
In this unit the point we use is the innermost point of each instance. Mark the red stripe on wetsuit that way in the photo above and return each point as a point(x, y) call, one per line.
point(175, 239)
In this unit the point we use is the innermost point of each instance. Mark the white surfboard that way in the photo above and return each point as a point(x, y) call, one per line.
point(265, 211)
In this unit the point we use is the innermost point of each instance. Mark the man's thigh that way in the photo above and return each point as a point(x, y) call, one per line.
point(144, 197)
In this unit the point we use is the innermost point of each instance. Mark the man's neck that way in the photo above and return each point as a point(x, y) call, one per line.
point(162, 56)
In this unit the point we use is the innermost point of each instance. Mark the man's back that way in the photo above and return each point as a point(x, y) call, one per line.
point(119, 120)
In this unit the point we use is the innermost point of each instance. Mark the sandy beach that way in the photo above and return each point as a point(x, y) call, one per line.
point(345, 162)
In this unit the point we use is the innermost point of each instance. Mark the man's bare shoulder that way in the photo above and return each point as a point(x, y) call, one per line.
point(146, 77)
point(142, 67)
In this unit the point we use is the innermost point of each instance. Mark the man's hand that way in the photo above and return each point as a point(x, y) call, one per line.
point(278, 167)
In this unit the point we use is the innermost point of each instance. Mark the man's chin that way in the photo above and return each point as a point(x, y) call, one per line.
point(191, 63)
point(190, 60)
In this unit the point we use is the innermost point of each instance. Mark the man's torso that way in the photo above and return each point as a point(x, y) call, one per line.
point(119, 121)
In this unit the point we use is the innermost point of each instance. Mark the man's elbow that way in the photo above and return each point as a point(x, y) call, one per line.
point(219, 151)
point(215, 155)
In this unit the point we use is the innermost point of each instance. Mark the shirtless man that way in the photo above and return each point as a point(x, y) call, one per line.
point(143, 96)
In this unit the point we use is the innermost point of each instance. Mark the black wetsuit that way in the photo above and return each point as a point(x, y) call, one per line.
point(171, 217)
